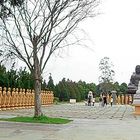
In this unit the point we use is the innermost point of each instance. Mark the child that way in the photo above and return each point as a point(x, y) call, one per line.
point(93, 101)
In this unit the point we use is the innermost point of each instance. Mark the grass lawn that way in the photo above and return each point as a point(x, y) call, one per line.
point(42, 119)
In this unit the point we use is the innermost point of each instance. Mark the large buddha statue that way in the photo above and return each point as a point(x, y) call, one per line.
point(134, 81)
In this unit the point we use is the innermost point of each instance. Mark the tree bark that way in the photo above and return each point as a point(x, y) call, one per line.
point(37, 83)
point(37, 99)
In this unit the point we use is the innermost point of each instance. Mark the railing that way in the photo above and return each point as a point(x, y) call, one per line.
point(21, 98)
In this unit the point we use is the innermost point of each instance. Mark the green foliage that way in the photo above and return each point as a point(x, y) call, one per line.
point(25, 79)
point(44, 85)
point(56, 100)
point(67, 89)
point(116, 86)
point(123, 88)
point(3, 77)
point(63, 91)
point(106, 87)
point(17, 78)
point(50, 85)
point(40, 119)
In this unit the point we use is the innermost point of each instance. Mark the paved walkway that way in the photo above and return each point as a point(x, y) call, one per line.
point(108, 123)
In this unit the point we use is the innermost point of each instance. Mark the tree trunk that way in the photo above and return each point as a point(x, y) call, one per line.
point(37, 97)
point(37, 83)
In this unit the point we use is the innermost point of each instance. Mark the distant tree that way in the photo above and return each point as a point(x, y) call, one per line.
point(70, 89)
point(12, 78)
point(81, 90)
point(25, 79)
point(123, 88)
point(50, 84)
point(91, 86)
point(107, 74)
point(78, 94)
point(57, 91)
point(98, 90)
point(44, 85)
point(106, 69)
point(67, 89)
point(106, 87)
point(3, 79)
point(76, 91)
point(61, 91)
point(116, 87)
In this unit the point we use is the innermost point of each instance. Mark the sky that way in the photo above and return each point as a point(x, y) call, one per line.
point(115, 33)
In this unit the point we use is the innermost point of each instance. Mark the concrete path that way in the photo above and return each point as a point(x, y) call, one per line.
point(97, 123)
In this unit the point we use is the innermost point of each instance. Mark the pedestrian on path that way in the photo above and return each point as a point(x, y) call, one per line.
point(104, 100)
point(100, 101)
point(90, 98)
point(111, 101)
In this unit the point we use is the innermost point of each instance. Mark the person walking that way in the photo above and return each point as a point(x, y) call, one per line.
point(104, 100)
point(100, 101)
point(90, 98)
point(111, 101)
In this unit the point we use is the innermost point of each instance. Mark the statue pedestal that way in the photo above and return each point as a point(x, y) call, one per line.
point(136, 103)
point(137, 109)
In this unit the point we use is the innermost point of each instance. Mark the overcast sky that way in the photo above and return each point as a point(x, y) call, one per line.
point(115, 33)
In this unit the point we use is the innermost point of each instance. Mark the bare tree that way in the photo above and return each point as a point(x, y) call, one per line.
point(38, 28)
point(107, 74)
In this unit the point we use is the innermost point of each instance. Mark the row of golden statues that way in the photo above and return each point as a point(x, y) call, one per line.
point(121, 99)
point(21, 98)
